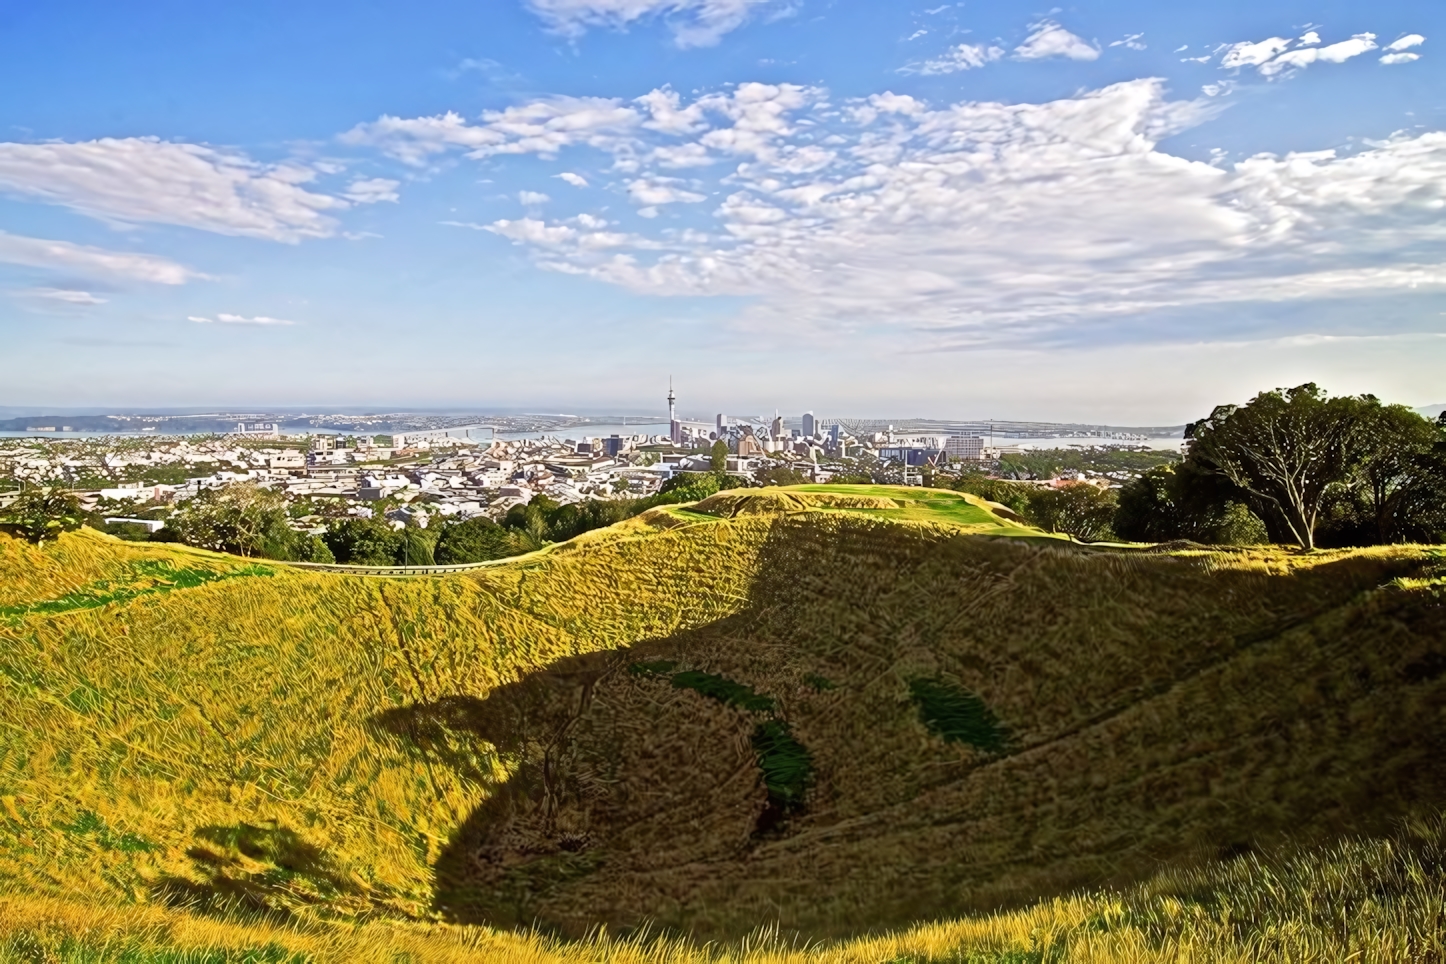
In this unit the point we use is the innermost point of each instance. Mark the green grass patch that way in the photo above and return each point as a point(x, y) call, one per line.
point(92, 825)
point(724, 690)
point(150, 576)
point(786, 764)
point(956, 715)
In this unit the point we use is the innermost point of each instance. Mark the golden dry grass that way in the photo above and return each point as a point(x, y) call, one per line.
point(136, 735)
point(1366, 901)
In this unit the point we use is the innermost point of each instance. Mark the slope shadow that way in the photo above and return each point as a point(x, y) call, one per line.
point(1230, 708)
point(263, 868)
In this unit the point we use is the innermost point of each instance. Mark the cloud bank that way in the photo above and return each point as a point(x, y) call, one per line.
point(976, 221)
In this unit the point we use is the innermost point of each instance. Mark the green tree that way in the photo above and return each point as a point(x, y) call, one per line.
point(1400, 476)
point(244, 519)
point(780, 475)
point(41, 515)
point(1180, 502)
point(363, 542)
point(313, 548)
point(416, 547)
point(1147, 510)
point(1288, 448)
point(475, 540)
point(1084, 511)
point(719, 456)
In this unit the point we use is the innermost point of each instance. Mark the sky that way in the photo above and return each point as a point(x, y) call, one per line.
point(1122, 211)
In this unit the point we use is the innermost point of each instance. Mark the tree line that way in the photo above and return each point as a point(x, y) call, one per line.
point(1292, 465)
point(249, 520)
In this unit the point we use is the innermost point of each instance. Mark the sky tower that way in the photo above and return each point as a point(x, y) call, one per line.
point(675, 431)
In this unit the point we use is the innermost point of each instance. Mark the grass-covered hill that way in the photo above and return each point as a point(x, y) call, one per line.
point(834, 709)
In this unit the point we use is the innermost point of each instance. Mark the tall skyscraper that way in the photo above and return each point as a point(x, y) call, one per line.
point(776, 429)
point(810, 425)
point(675, 431)
point(722, 424)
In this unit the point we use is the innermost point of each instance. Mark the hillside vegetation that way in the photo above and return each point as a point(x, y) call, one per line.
point(835, 711)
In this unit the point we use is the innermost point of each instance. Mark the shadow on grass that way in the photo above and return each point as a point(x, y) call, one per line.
point(247, 868)
point(898, 727)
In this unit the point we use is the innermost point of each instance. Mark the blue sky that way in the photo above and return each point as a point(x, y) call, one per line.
point(1118, 211)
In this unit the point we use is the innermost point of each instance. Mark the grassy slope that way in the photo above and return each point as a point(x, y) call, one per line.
point(1157, 705)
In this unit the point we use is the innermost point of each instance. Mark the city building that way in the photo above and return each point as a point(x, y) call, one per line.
point(810, 425)
point(258, 430)
point(964, 447)
point(749, 446)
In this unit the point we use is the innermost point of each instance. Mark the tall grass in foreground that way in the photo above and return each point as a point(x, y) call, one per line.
point(1375, 900)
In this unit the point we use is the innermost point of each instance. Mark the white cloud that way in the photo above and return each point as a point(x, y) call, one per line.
point(695, 23)
point(666, 113)
point(1395, 56)
point(760, 115)
point(1274, 57)
point(576, 180)
point(1049, 39)
point(69, 296)
point(414, 140)
point(1247, 54)
point(532, 197)
point(992, 221)
point(542, 127)
point(92, 262)
point(1130, 42)
point(744, 120)
point(1334, 54)
point(651, 192)
point(961, 57)
point(372, 190)
point(682, 155)
point(227, 319)
point(532, 231)
point(144, 179)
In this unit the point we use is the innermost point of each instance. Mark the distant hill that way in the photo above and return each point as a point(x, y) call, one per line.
point(835, 708)
point(1432, 411)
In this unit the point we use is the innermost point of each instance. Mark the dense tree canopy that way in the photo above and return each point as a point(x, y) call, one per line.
point(1289, 448)
point(244, 519)
point(1297, 465)
point(41, 515)
point(475, 540)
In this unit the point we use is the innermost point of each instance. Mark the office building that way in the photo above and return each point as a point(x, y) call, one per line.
point(964, 447)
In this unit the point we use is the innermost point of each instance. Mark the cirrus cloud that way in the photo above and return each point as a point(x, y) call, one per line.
point(230, 319)
point(136, 180)
point(92, 262)
point(695, 23)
